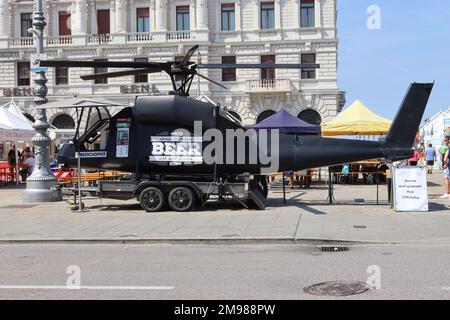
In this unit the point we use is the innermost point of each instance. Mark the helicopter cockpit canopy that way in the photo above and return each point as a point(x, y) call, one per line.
point(96, 132)
point(93, 119)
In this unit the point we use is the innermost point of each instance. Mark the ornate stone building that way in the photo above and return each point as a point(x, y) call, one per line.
point(240, 31)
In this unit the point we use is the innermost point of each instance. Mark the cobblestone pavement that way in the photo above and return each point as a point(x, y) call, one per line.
point(306, 216)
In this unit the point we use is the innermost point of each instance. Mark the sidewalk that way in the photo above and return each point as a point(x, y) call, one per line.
point(306, 217)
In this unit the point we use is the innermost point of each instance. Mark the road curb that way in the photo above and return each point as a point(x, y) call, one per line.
point(192, 241)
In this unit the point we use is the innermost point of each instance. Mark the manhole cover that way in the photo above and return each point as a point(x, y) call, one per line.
point(20, 206)
point(334, 248)
point(337, 288)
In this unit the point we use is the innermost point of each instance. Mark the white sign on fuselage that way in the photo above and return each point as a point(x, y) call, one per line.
point(176, 149)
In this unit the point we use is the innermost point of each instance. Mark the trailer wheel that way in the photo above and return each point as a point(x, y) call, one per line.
point(181, 199)
point(151, 199)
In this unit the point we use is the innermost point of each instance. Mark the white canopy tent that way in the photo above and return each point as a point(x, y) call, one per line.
point(14, 127)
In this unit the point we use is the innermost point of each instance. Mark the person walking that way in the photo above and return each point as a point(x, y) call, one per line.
point(443, 149)
point(430, 157)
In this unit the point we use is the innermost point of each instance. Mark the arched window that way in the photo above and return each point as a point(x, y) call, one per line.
point(264, 115)
point(310, 116)
point(235, 115)
point(63, 121)
point(29, 117)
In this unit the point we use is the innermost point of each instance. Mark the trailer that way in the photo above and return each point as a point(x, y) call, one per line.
point(184, 195)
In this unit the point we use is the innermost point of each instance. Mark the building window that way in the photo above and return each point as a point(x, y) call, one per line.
point(100, 70)
point(267, 15)
point(307, 15)
point(143, 20)
point(229, 74)
point(183, 18)
point(103, 22)
point(23, 73)
point(139, 78)
point(61, 76)
point(63, 121)
point(227, 16)
point(309, 73)
point(310, 116)
point(264, 115)
point(64, 24)
point(268, 73)
point(26, 22)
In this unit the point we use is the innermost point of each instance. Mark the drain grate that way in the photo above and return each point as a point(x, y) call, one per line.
point(337, 288)
point(334, 248)
point(20, 206)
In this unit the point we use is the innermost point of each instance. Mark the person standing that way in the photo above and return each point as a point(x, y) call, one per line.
point(443, 149)
point(430, 157)
point(413, 161)
point(12, 160)
point(446, 174)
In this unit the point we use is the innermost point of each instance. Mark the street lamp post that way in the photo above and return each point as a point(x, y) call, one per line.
point(41, 183)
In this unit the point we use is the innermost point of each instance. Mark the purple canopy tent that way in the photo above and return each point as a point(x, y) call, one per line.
point(287, 123)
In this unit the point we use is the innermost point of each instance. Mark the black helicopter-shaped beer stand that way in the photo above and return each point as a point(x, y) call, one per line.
point(155, 141)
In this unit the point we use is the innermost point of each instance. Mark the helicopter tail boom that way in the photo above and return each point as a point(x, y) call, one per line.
point(404, 128)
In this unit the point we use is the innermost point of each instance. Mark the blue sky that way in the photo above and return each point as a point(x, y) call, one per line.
point(413, 44)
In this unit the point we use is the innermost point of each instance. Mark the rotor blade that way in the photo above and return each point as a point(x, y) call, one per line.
point(189, 55)
point(118, 74)
point(259, 66)
point(102, 64)
point(206, 78)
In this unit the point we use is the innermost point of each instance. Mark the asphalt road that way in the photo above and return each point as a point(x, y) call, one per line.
point(244, 271)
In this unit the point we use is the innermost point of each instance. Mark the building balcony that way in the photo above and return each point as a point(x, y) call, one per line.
point(22, 42)
point(139, 37)
point(59, 41)
point(103, 39)
point(96, 39)
point(181, 35)
point(270, 85)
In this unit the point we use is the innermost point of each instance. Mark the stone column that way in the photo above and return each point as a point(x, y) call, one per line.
point(237, 16)
point(202, 15)
point(79, 18)
point(161, 15)
point(277, 14)
point(78, 23)
point(4, 23)
point(202, 20)
point(160, 34)
point(121, 16)
point(192, 15)
point(318, 14)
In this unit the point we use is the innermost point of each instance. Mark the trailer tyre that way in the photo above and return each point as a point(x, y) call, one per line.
point(181, 199)
point(151, 199)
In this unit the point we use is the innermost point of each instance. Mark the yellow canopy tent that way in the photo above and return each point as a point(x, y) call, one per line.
point(356, 120)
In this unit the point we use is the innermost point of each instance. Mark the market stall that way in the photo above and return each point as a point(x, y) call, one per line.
point(284, 121)
point(14, 127)
point(357, 120)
